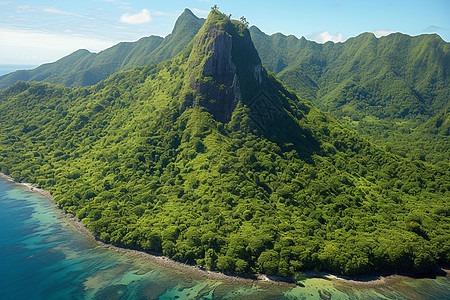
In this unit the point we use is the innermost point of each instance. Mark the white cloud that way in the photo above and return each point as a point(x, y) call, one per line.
point(40, 9)
point(163, 14)
point(325, 36)
point(139, 18)
point(56, 11)
point(382, 32)
point(20, 46)
point(200, 12)
point(26, 9)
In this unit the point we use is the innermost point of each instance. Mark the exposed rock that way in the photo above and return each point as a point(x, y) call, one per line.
point(214, 82)
point(222, 93)
point(219, 64)
point(257, 73)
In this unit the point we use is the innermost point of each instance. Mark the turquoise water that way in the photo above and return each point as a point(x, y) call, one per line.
point(43, 257)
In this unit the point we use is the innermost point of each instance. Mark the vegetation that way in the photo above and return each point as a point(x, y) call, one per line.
point(385, 88)
point(276, 187)
point(83, 68)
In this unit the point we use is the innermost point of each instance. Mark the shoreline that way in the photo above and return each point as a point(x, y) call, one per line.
point(368, 281)
point(167, 262)
point(31, 187)
point(156, 259)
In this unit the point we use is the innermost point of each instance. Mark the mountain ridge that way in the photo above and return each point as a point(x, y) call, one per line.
point(181, 32)
point(83, 68)
point(385, 88)
point(296, 192)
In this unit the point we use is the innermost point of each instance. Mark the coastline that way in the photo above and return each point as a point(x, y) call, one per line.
point(259, 279)
point(167, 262)
point(29, 186)
point(159, 260)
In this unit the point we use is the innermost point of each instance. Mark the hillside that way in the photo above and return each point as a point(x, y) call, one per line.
point(208, 159)
point(83, 68)
point(385, 88)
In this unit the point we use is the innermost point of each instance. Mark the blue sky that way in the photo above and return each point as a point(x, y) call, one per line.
point(40, 31)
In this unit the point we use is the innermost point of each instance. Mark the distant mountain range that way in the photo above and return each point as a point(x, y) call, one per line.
point(83, 68)
point(386, 88)
point(209, 159)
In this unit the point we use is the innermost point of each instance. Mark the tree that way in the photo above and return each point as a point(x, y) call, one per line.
point(226, 264)
point(210, 259)
point(241, 266)
point(244, 21)
point(268, 262)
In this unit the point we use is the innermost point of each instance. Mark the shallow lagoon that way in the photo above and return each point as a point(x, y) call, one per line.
point(43, 256)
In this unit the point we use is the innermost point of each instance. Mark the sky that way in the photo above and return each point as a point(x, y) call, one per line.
point(33, 32)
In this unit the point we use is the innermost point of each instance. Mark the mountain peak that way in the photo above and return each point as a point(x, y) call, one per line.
point(187, 11)
point(221, 59)
point(186, 26)
point(184, 19)
point(227, 78)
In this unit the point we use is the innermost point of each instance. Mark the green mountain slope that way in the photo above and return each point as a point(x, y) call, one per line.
point(430, 140)
point(210, 160)
point(384, 88)
point(83, 68)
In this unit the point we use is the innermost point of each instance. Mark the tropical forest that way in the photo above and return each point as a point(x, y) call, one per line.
point(240, 152)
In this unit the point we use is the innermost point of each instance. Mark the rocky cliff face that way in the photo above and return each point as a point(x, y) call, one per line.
point(214, 80)
point(221, 87)
point(224, 69)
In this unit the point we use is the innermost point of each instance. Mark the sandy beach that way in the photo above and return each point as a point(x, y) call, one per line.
point(260, 279)
point(371, 283)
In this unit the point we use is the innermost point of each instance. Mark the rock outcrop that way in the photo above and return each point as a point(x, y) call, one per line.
point(214, 80)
